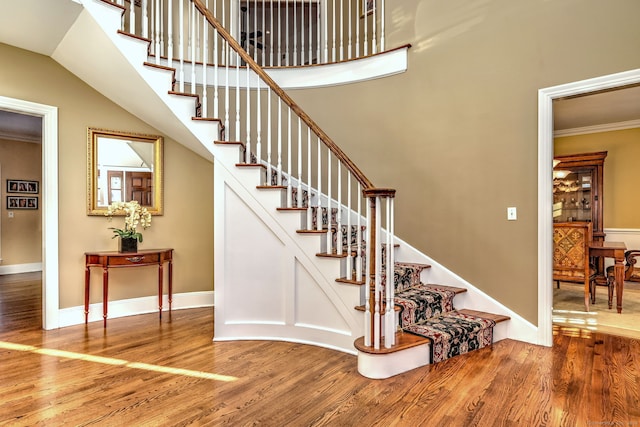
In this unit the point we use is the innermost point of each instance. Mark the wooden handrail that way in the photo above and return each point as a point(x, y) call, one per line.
point(328, 142)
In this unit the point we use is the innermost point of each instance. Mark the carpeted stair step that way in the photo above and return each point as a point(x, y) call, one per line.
point(456, 332)
point(421, 302)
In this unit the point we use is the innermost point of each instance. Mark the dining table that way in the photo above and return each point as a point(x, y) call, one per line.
point(614, 250)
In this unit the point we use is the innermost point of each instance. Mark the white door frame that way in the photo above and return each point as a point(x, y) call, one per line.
point(50, 269)
point(545, 183)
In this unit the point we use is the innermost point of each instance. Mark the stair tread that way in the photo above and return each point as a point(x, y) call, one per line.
point(419, 264)
point(271, 187)
point(495, 317)
point(403, 341)
point(250, 165)
point(382, 308)
point(449, 288)
point(311, 231)
point(229, 143)
point(331, 255)
point(351, 281)
point(293, 209)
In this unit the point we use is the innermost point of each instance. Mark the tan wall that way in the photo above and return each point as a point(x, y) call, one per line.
point(21, 235)
point(621, 171)
point(187, 225)
point(456, 134)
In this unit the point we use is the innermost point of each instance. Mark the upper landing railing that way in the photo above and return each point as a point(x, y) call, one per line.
point(320, 179)
point(278, 33)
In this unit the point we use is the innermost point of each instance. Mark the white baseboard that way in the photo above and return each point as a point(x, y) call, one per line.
point(20, 268)
point(131, 307)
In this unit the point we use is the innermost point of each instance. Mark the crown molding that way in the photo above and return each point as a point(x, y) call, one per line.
point(20, 137)
point(598, 128)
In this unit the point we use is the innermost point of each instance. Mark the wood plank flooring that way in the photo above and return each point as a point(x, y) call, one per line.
point(144, 372)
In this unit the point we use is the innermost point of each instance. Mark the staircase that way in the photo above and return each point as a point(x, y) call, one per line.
point(319, 261)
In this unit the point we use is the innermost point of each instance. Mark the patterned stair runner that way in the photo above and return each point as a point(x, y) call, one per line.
point(421, 302)
point(454, 333)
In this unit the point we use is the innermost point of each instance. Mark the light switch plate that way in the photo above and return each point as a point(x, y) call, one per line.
point(512, 214)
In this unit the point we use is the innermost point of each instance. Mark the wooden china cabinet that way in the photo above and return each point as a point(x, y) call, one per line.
point(578, 190)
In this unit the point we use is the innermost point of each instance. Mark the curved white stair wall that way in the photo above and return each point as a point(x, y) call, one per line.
point(269, 282)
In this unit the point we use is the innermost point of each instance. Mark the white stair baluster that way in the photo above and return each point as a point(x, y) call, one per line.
point(309, 178)
point(333, 38)
point(326, 31)
point(319, 198)
point(279, 141)
point(295, 34)
point(390, 318)
point(382, 24)
point(258, 122)
point(358, 31)
point(271, 38)
point(311, 26)
point(349, 234)
point(374, 25)
point(216, 81)
point(144, 21)
point(181, 46)
point(339, 233)
point(227, 89)
point(299, 148)
point(286, 32)
point(329, 203)
point(269, 167)
point(350, 31)
point(132, 17)
point(359, 235)
point(205, 56)
point(248, 115)
point(192, 23)
point(170, 33)
point(289, 174)
point(366, 30)
point(341, 30)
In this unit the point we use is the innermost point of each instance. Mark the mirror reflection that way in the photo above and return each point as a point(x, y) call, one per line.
point(124, 166)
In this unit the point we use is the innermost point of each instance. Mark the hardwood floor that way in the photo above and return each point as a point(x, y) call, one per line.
point(144, 372)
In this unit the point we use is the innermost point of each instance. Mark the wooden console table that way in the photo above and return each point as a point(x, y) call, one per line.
point(108, 260)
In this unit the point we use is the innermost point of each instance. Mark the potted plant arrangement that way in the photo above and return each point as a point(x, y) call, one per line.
point(135, 215)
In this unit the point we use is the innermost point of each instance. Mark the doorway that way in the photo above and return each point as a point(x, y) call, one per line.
point(49, 203)
point(545, 160)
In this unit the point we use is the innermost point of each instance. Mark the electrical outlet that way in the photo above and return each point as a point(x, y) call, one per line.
point(512, 214)
point(10, 214)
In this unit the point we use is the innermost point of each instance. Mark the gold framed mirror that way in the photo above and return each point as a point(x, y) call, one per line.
point(124, 166)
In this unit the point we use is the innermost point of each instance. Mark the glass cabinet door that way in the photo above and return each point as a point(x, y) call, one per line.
point(572, 196)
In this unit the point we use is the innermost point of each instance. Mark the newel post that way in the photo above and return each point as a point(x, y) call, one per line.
point(379, 307)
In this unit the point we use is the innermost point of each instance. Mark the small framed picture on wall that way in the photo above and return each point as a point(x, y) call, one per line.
point(22, 186)
point(22, 202)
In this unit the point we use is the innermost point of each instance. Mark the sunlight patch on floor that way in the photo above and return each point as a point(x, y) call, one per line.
point(114, 361)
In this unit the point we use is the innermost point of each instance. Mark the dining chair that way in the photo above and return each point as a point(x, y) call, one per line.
point(571, 242)
point(630, 273)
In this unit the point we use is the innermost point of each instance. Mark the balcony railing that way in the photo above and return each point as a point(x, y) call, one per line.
point(276, 33)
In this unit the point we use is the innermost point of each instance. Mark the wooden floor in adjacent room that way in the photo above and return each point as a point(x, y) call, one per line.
point(144, 372)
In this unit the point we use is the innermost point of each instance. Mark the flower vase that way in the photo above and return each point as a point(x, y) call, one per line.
point(128, 244)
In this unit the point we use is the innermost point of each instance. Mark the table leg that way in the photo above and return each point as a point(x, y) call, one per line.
point(619, 272)
point(105, 294)
point(160, 277)
point(87, 278)
point(170, 284)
